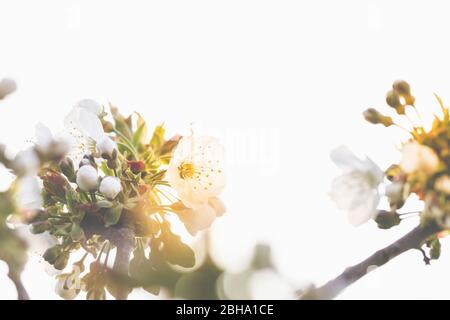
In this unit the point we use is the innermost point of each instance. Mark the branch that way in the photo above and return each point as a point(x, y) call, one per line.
point(22, 293)
point(124, 241)
point(412, 240)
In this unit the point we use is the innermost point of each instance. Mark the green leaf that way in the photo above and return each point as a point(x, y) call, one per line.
point(76, 233)
point(105, 204)
point(141, 133)
point(435, 251)
point(112, 215)
point(107, 171)
point(158, 137)
point(178, 253)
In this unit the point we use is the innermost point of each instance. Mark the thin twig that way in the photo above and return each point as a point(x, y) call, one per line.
point(412, 240)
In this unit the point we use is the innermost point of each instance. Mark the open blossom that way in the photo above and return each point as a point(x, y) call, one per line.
point(202, 216)
point(49, 146)
point(110, 187)
point(26, 162)
point(196, 170)
point(417, 157)
point(87, 178)
point(84, 128)
point(356, 190)
point(90, 105)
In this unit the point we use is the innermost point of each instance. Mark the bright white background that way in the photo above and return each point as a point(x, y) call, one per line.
point(281, 82)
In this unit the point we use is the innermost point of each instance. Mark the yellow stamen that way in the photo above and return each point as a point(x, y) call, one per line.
point(187, 170)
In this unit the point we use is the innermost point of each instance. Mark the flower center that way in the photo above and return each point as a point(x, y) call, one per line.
point(187, 170)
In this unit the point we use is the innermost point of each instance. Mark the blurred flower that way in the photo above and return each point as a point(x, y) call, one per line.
point(48, 146)
point(196, 170)
point(110, 187)
point(28, 193)
point(26, 162)
point(7, 86)
point(201, 217)
point(356, 190)
point(395, 192)
point(417, 157)
point(442, 184)
point(68, 285)
point(87, 178)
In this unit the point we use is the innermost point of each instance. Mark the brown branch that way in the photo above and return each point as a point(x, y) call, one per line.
point(124, 242)
point(412, 240)
point(22, 293)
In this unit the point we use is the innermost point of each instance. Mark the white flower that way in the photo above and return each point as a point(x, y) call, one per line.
point(26, 162)
point(417, 157)
point(84, 129)
point(395, 192)
point(87, 178)
point(201, 217)
point(110, 187)
point(106, 147)
point(28, 193)
point(48, 145)
point(91, 106)
point(357, 189)
point(196, 170)
point(68, 286)
point(443, 184)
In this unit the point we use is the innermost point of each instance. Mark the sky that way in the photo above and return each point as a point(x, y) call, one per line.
point(281, 83)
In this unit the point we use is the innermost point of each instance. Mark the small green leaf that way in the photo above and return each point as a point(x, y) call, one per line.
point(107, 171)
point(141, 133)
point(76, 233)
point(435, 251)
point(104, 204)
point(112, 215)
point(158, 137)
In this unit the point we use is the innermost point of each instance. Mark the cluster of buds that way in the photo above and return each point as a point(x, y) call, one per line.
point(115, 187)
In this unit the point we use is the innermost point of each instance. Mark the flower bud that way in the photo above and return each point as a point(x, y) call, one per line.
point(51, 254)
point(87, 178)
point(55, 184)
point(375, 117)
point(387, 219)
point(40, 227)
point(88, 160)
point(61, 261)
point(107, 148)
point(110, 187)
point(67, 168)
point(112, 163)
point(136, 166)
